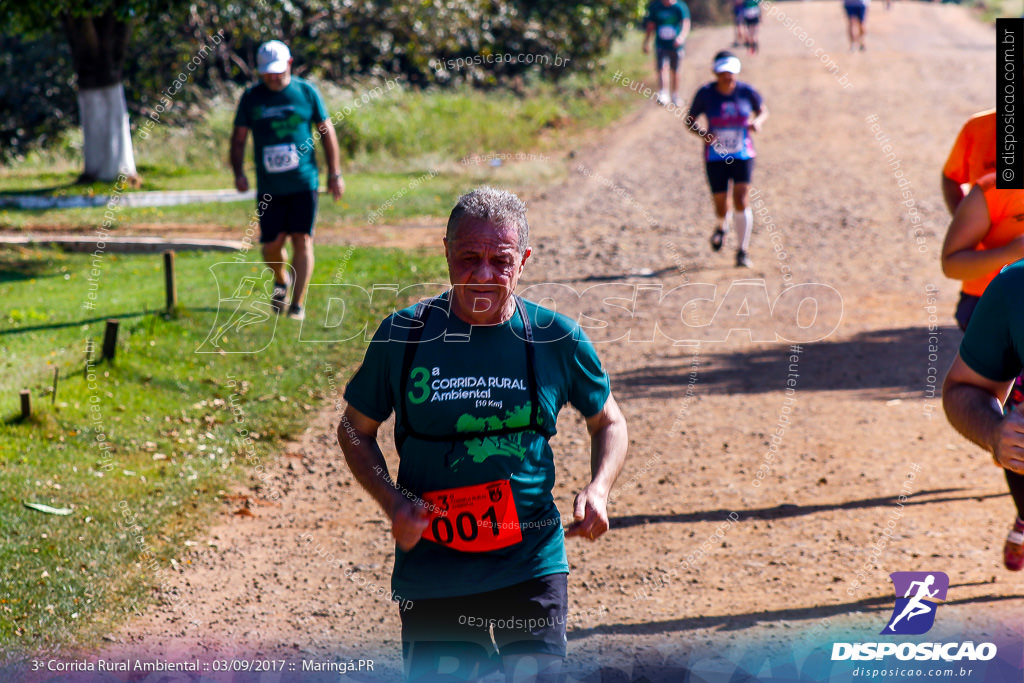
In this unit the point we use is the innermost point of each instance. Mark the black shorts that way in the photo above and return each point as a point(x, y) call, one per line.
point(856, 12)
point(288, 214)
point(670, 54)
point(721, 172)
point(965, 308)
point(527, 619)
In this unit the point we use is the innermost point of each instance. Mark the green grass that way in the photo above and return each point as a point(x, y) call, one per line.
point(170, 416)
point(396, 136)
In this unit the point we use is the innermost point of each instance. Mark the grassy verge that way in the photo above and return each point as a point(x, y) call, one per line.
point(397, 135)
point(140, 450)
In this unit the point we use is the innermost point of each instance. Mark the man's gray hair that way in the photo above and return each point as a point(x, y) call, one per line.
point(497, 207)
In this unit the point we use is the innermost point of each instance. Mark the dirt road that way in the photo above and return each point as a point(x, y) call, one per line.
point(721, 539)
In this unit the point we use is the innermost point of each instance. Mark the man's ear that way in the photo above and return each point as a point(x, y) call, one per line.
point(526, 255)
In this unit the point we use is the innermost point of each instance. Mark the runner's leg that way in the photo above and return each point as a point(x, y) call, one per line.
point(303, 265)
point(275, 256)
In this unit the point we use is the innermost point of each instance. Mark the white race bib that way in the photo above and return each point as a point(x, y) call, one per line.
point(730, 141)
point(280, 158)
point(751, 12)
point(667, 32)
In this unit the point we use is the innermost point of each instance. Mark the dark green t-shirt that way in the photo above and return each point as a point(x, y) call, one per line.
point(282, 134)
point(993, 345)
point(475, 378)
point(668, 22)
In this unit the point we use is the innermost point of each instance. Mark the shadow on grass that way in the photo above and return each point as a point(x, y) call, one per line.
point(177, 313)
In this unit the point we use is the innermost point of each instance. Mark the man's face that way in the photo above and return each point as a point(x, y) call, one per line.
point(278, 82)
point(484, 265)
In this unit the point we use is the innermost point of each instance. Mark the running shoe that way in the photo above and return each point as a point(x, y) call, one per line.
point(675, 100)
point(297, 312)
point(716, 239)
point(277, 299)
point(663, 97)
point(743, 260)
point(1013, 551)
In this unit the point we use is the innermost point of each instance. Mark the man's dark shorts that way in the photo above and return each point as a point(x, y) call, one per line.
point(856, 12)
point(721, 172)
point(671, 54)
point(965, 308)
point(289, 214)
point(528, 619)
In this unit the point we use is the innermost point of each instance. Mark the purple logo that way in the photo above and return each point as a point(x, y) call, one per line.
point(917, 597)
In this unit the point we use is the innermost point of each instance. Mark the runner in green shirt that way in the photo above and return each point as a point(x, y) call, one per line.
point(476, 378)
point(279, 111)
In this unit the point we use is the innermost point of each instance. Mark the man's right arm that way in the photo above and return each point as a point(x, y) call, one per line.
point(357, 435)
point(238, 138)
point(973, 405)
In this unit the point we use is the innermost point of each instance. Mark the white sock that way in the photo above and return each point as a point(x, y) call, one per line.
point(727, 221)
point(744, 222)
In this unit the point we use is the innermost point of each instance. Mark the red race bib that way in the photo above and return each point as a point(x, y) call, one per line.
point(474, 519)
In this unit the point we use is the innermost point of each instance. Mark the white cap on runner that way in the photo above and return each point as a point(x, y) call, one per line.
point(727, 65)
point(273, 57)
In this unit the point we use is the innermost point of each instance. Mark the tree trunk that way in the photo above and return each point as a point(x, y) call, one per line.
point(97, 49)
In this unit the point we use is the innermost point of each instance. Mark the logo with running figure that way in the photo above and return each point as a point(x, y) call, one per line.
point(914, 613)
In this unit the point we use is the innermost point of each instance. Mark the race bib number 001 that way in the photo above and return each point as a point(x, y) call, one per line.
point(280, 158)
point(667, 32)
point(474, 519)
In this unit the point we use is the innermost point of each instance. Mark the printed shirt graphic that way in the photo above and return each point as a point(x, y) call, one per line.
point(282, 129)
point(1006, 214)
point(480, 384)
point(727, 116)
point(917, 595)
point(668, 22)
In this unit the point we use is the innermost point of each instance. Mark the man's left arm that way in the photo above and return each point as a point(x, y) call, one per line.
point(684, 31)
point(608, 442)
point(335, 183)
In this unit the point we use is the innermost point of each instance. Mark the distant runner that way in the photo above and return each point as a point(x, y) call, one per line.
point(856, 11)
point(669, 20)
point(280, 111)
point(973, 156)
point(751, 20)
point(740, 38)
point(734, 110)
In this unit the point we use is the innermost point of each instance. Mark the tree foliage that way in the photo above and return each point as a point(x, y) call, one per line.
point(428, 42)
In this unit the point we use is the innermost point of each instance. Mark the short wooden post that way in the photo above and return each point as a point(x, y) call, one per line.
point(172, 289)
point(26, 404)
point(56, 377)
point(110, 339)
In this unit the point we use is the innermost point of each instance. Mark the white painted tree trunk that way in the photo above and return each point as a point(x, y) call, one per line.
point(107, 136)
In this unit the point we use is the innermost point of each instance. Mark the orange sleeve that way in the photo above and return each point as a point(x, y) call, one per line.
point(957, 163)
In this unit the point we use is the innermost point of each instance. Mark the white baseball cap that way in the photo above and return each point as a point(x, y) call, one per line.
point(273, 57)
point(730, 64)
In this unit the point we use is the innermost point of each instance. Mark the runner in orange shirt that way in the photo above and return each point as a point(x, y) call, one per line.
point(973, 156)
point(987, 234)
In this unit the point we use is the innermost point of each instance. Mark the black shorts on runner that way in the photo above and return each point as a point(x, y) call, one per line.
point(288, 214)
point(965, 308)
point(721, 172)
point(527, 618)
point(856, 12)
point(671, 54)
